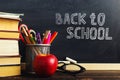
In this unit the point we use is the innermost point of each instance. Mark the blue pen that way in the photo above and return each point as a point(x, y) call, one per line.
point(39, 41)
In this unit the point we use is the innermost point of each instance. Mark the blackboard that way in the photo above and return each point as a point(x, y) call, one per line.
point(88, 30)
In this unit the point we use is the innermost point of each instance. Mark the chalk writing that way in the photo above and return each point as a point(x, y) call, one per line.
point(97, 30)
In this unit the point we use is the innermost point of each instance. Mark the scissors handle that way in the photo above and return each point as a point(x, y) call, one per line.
point(23, 31)
point(22, 26)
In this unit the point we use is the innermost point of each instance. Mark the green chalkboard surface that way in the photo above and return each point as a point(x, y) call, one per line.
point(88, 30)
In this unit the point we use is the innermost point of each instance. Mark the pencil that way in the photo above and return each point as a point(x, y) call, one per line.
point(45, 36)
point(29, 40)
point(53, 36)
point(48, 39)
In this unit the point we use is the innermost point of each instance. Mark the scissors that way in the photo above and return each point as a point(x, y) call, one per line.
point(32, 34)
point(23, 32)
point(27, 33)
point(63, 66)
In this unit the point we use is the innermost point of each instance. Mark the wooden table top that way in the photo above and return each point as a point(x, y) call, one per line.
point(87, 75)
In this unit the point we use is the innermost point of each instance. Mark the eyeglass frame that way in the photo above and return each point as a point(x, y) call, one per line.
point(82, 69)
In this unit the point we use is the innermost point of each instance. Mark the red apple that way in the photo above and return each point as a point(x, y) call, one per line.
point(45, 65)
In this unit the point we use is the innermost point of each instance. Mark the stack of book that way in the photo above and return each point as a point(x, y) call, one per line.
point(10, 59)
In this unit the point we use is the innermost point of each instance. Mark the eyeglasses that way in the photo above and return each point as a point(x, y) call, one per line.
point(71, 68)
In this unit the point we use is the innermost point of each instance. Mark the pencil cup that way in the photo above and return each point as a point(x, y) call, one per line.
point(31, 51)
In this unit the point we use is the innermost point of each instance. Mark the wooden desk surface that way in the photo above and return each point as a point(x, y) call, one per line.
point(87, 75)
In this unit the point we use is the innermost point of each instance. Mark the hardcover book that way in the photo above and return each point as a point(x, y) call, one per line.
point(10, 60)
point(9, 21)
point(9, 47)
point(10, 70)
point(9, 34)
